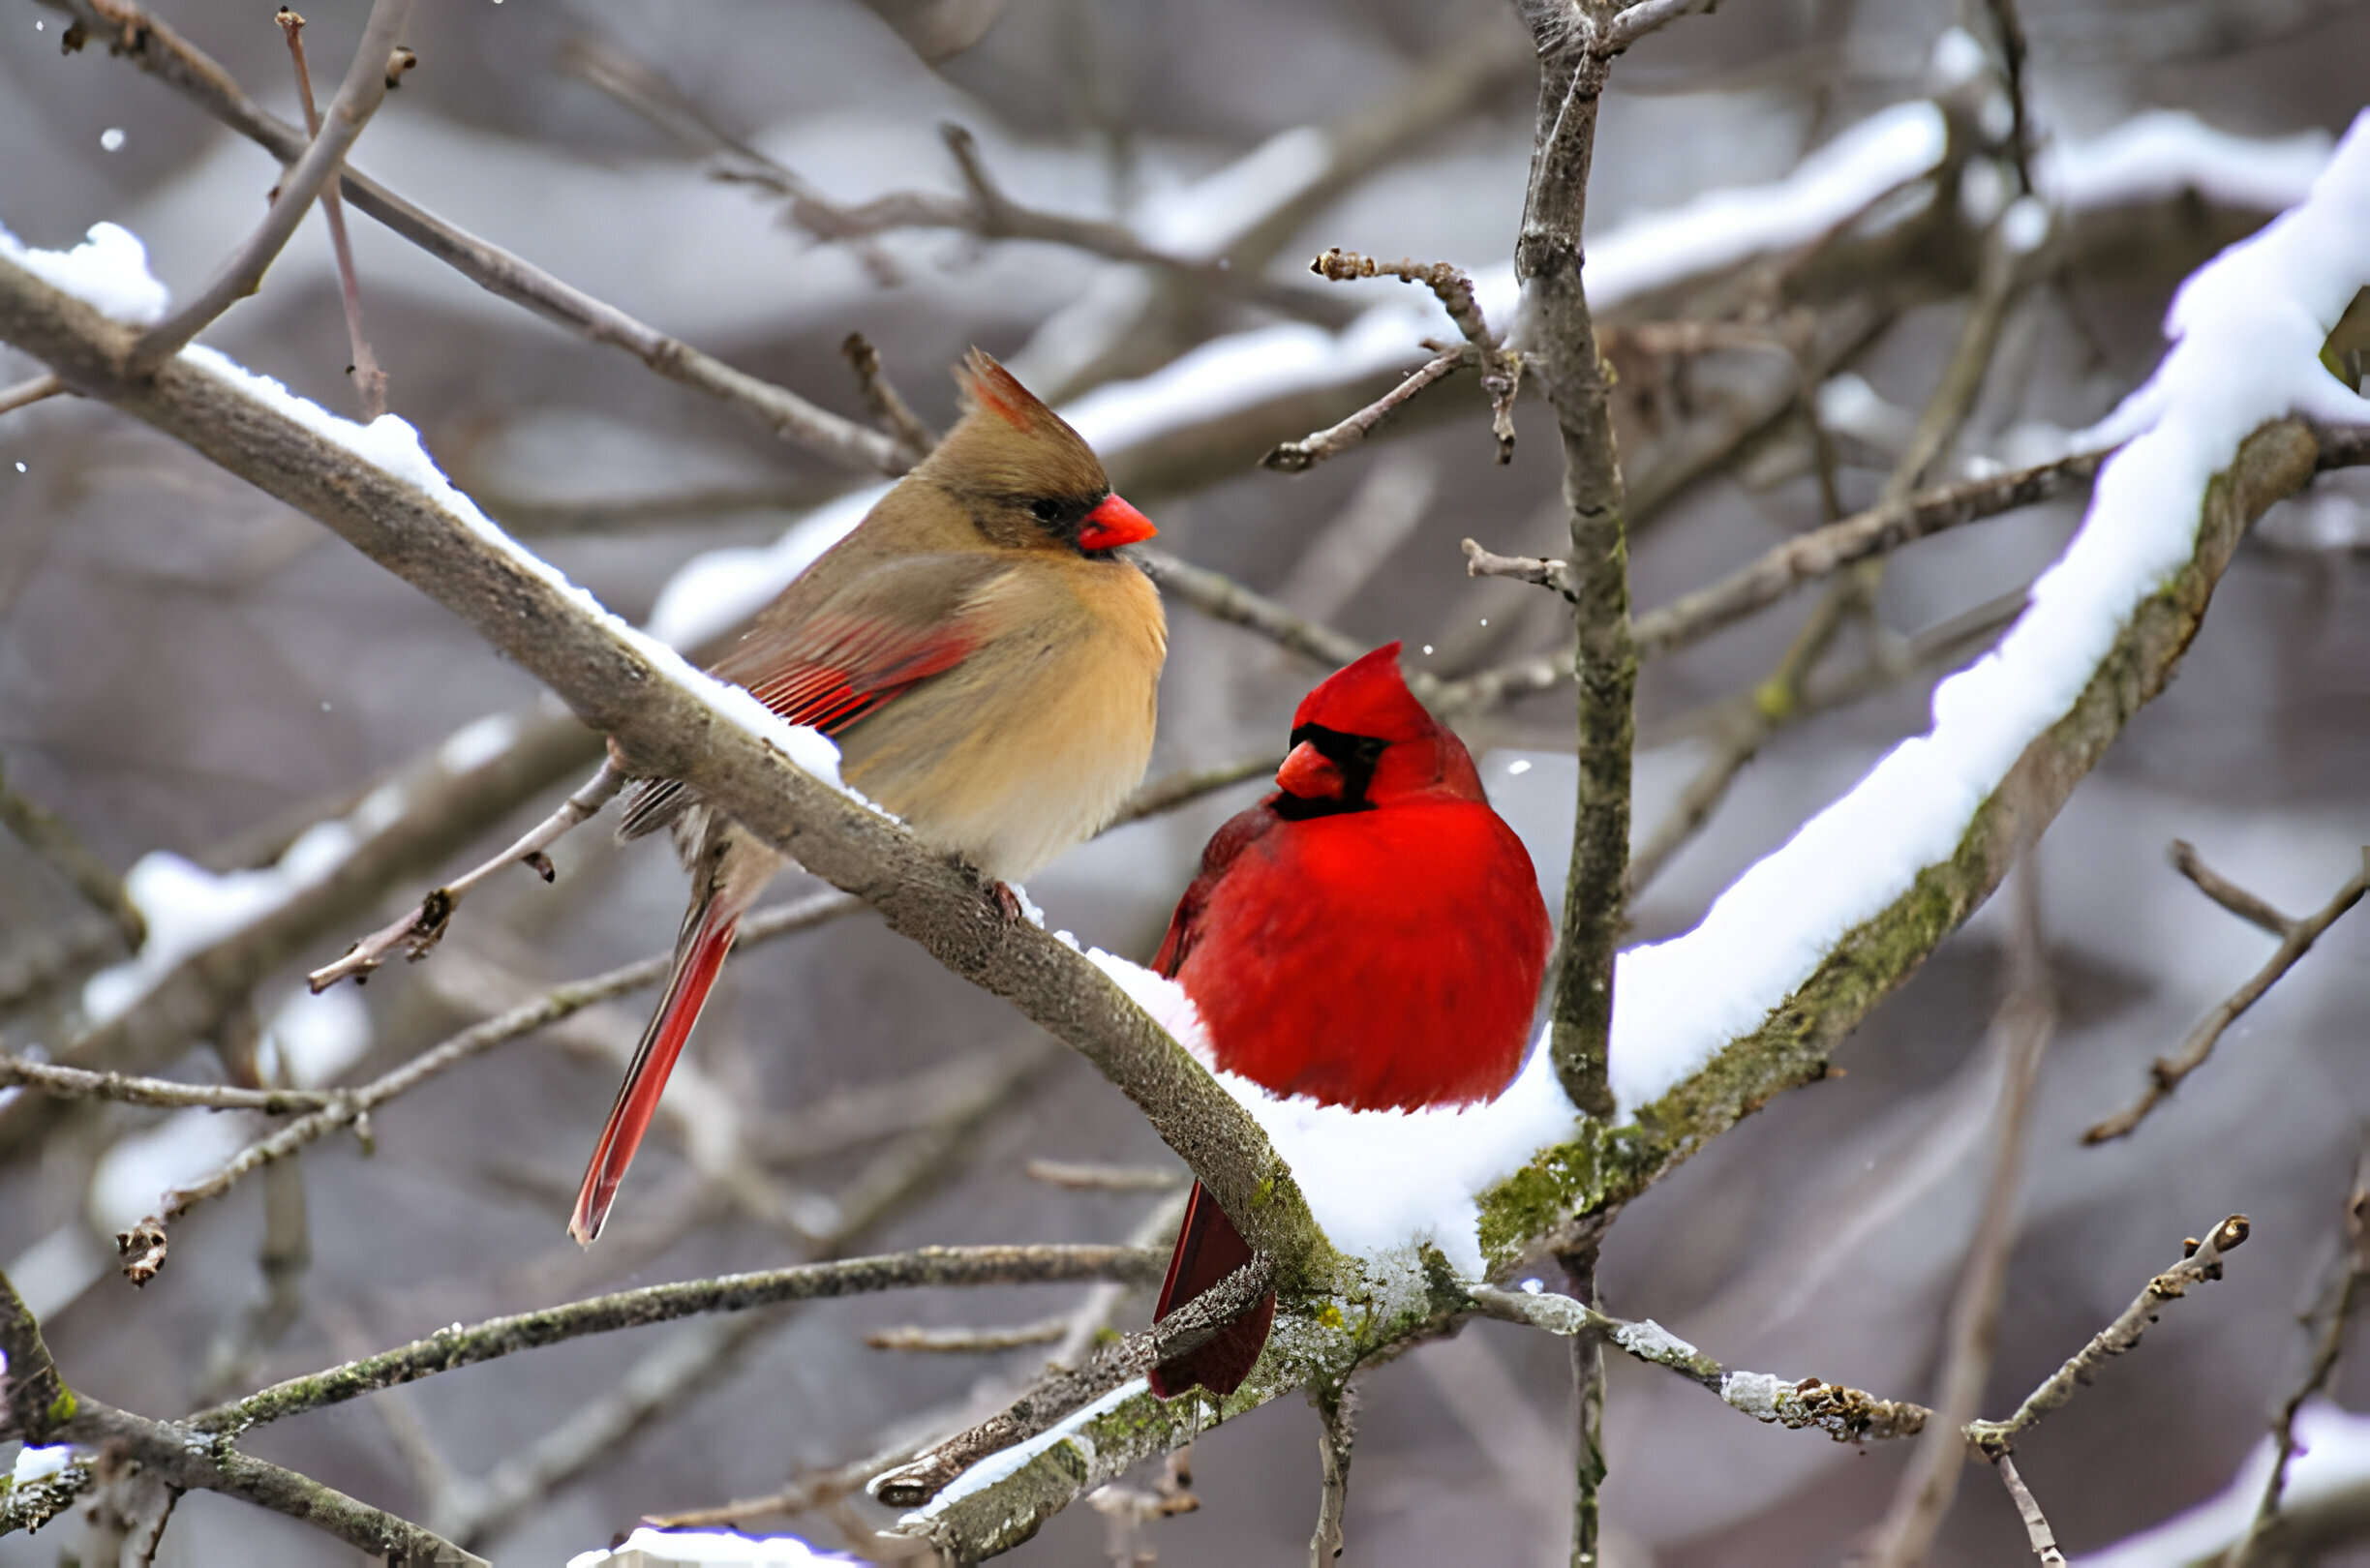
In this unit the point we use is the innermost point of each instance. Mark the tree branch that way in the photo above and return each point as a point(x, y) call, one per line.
point(2167, 1073)
point(358, 97)
point(129, 30)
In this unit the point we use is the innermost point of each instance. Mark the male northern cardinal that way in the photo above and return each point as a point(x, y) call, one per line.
point(1371, 935)
point(986, 664)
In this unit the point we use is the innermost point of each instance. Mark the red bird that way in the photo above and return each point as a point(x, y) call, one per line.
point(987, 664)
point(1371, 935)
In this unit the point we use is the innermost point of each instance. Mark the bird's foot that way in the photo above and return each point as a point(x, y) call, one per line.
point(1006, 901)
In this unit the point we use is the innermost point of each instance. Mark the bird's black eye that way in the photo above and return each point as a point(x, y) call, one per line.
point(1045, 511)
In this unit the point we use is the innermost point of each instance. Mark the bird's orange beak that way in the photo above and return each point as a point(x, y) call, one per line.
point(1113, 524)
point(1310, 774)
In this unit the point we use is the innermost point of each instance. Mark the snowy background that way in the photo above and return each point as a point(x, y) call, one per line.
point(186, 668)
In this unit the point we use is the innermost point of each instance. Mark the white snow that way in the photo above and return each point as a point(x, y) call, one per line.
point(40, 1463)
point(1651, 1338)
point(1377, 1181)
point(1753, 1393)
point(137, 1168)
point(477, 743)
point(1071, 1428)
point(2248, 327)
point(107, 271)
point(189, 909)
point(2332, 1456)
point(2165, 152)
point(315, 1038)
point(1203, 219)
point(647, 1547)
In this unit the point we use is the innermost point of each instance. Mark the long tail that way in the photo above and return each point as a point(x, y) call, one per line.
point(1210, 1248)
point(699, 953)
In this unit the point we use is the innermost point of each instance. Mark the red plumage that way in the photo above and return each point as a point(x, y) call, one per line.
point(1371, 935)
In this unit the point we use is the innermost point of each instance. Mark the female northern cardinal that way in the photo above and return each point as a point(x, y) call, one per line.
point(986, 664)
point(1371, 935)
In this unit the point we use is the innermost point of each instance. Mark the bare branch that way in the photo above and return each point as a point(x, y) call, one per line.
point(1160, 794)
point(451, 1349)
point(1845, 1414)
point(353, 1107)
point(890, 411)
point(1101, 1178)
point(2256, 912)
point(1336, 1436)
point(2167, 1073)
point(1822, 551)
point(970, 1341)
point(358, 97)
point(27, 392)
point(2202, 1261)
point(2037, 1532)
point(1448, 283)
point(370, 381)
point(156, 48)
point(1057, 1394)
point(2340, 1295)
point(2027, 1016)
point(418, 931)
point(1222, 598)
point(1538, 570)
point(75, 1083)
point(1296, 457)
point(61, 849)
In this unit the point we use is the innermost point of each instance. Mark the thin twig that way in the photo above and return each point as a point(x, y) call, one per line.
point(2167, 1073)
point(1588, 1366)
point(1448, 283)
point(890, 411)
point(2254, 911)
point(1052, 1398)
point(1886, 526)
point(1336, 1436)
point(1847, 1415)
point(418, 931)
point(358, 97)
point(75, 1083)
point(1079, 1178)
point(2037, 1531)
point(2340, 1295)
point(33, 390)
point(1187, 785)
point(1222, 598)
point(448, 1349)
point(1296, 457)
point(2028, 1016)
point(1540, 571)
point(2014, 52)
point(353, 1107)
point(158, 48)
point(370, 381)
point(970, 1341)
point(2200, 1261)
point(61, 849)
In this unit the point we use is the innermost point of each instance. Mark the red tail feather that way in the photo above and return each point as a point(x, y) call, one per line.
point(1210, 1248)
point(707, 938)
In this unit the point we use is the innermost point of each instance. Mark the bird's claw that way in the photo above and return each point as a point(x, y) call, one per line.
point(1006, 901)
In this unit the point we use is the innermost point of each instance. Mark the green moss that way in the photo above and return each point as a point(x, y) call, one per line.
point(62, 1408)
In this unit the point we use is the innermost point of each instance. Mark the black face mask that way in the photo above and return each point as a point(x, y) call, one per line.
point(1356, 755)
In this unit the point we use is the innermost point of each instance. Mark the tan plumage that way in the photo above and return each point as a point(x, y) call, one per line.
point(985, 663)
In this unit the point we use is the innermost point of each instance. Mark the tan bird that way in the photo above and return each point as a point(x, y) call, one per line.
point(987, 663)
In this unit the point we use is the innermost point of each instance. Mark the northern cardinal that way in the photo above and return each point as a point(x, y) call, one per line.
point(1371, 935)
point(986, 664)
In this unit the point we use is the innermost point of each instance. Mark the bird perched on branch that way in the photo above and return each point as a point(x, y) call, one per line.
point(1371, 935)
point(985, 662)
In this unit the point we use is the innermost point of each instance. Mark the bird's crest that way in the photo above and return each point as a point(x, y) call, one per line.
point(1368, 697)
point(1008, 440)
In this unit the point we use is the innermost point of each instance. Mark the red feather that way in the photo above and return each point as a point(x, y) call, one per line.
point(1381, 951)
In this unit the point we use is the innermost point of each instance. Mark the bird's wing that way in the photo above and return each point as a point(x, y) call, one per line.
point(1240, 832)
point(832, 663)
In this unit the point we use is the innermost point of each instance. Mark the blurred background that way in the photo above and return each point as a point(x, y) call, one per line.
point(188, 668)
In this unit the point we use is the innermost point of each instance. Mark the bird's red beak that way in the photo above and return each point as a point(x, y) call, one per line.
point(1310, 774)
point(1113, 524)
